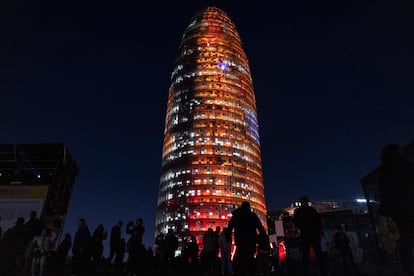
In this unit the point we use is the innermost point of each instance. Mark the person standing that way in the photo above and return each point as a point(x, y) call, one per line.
point(274, 257)
point(171, 245)
point(216, 237)
point(245, 224)
point(190, 255)
point(81, 248)
point(33, 226)
point(97, 247)
point(208, 254)
point(344, 251)
point(119, 257)
point(62, 253)
point(225, 252)
point(115, 241)
point(309, 223)
point(326, 245)
point(263, 255)
point(42, 246)
point(134, 245)
point(396, 189)
point(160, 254)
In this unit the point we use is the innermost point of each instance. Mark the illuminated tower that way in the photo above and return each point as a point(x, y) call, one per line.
point(211, 159)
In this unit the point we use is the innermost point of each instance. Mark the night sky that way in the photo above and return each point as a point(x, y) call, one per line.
point(333, 83)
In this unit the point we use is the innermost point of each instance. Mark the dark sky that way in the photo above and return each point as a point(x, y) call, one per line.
point(333, 83)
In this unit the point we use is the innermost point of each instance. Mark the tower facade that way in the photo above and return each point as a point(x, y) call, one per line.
point(211, 159)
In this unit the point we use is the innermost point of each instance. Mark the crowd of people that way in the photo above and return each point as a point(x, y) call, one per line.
point(30, 248)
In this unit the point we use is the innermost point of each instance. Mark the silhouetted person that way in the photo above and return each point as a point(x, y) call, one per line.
point(42, 248)
point(62, 254)
point(119, 257)
point(396, 188)
point(160, 253)
point(263, 255)
point(81, 248)
point(216, 237)
point(190, 254)
point(171, 245)
point(97, 246)
point(344, 251)
point(274, 257)
point(149, 260)
point(208, 254)
point(225, 252)
point(326, 244)
point(33, 226)
point(134, 244)
point(245, 224)
point(19, 241)
point(308, 221)
point(115, 241)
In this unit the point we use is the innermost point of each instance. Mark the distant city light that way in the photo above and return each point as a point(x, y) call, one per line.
point(38, 176)
point(361, 200)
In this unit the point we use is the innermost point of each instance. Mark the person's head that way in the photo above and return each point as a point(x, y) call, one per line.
point(20, 221)
point(304, 201)
point(81, 222)
point(139, 221)
point(245, 205)
point(57, 223)
point(68, 236)
point(45, 232)
point(120, 222)
point(342, 227)
point(33, 214)
point(390, 152)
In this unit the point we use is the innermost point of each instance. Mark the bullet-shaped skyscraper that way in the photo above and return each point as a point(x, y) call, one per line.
point(211, 159)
